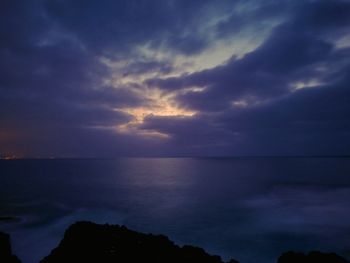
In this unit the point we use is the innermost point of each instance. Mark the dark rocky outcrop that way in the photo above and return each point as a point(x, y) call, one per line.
point(89, 242)
point(5, 250)
point(312, 257)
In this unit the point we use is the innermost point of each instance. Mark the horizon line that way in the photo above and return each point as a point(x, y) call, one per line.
point(173, 157)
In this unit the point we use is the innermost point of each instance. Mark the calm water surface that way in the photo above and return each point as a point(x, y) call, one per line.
point(250, 209)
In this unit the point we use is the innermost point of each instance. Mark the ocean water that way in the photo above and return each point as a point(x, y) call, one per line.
point(250, 209)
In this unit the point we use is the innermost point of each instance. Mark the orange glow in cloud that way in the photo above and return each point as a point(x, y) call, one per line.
point(159, 105)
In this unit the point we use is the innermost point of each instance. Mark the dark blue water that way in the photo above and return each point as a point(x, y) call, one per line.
point(251, 209)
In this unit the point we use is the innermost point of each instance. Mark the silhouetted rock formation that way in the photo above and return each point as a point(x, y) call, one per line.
point(312, 257)
point(89, 242)
point(5, 250)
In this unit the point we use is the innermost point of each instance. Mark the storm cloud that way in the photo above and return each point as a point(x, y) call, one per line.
point(169, 78)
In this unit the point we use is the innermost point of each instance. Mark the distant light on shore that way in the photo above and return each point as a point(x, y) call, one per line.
point(8, 157)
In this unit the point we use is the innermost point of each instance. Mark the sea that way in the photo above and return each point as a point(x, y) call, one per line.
point(251, 209)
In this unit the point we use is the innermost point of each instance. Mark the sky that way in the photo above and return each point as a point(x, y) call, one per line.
point(110, 78)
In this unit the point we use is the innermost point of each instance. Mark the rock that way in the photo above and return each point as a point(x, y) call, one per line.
point(89, 242)
point(312, 257)
point(5, 250)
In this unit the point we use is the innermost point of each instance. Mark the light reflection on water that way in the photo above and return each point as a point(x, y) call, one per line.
point(246, 208)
